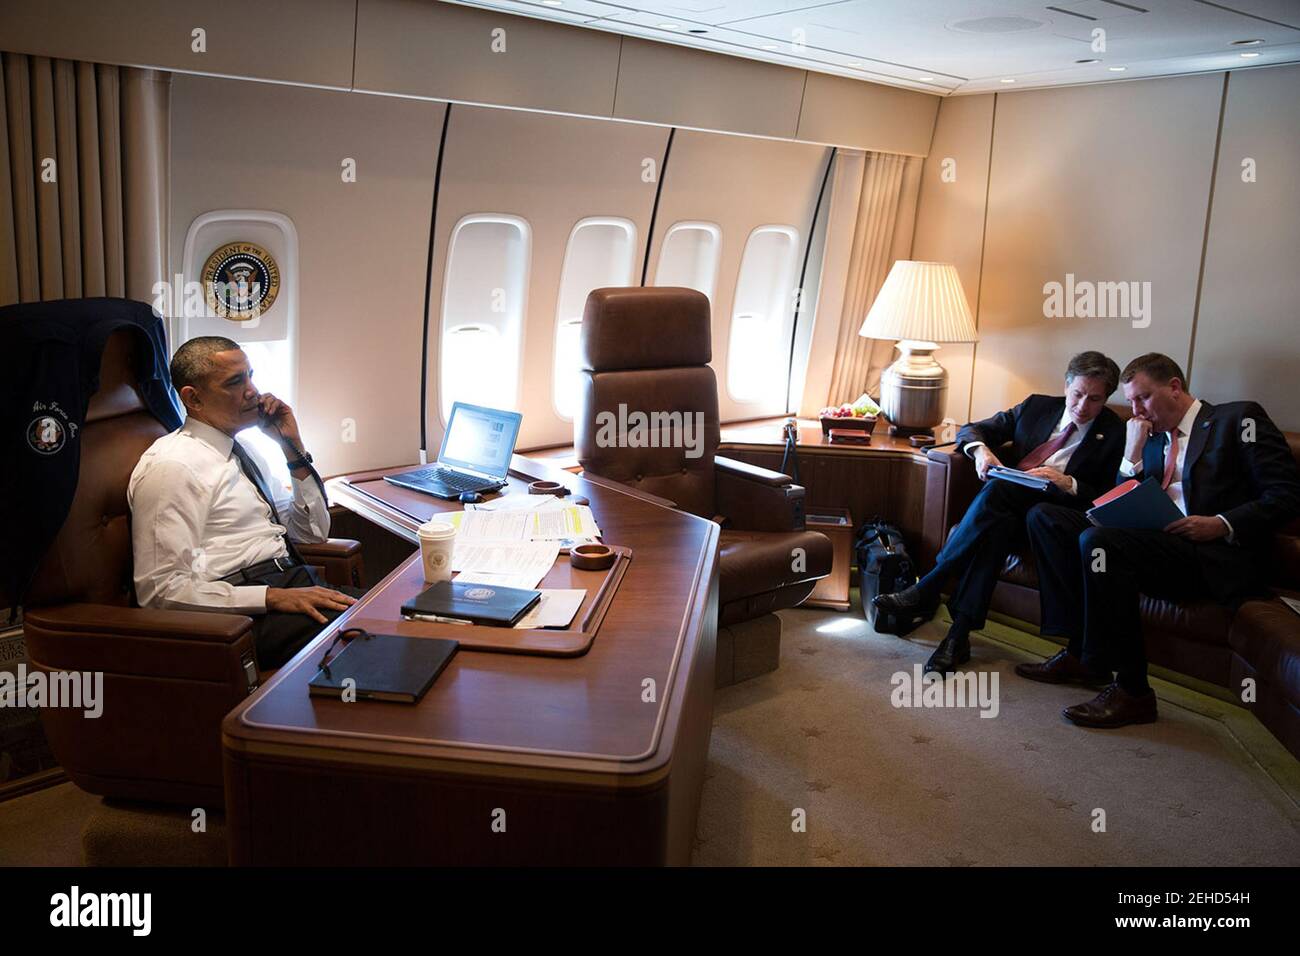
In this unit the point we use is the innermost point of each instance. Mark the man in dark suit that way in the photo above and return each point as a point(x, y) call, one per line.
point(1074, 441)
point(1229, 471)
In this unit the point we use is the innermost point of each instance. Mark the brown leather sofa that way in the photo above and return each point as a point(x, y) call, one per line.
point(1201, 639)
point(647, 349)
point(169, 676)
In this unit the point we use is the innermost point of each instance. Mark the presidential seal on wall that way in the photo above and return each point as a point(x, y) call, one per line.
point(240, 281)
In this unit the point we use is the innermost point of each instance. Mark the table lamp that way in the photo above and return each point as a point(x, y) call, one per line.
point(921, 304)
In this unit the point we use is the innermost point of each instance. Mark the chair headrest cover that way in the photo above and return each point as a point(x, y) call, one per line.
point(661, 327)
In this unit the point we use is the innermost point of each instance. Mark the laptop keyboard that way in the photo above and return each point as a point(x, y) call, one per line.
point(449, 478)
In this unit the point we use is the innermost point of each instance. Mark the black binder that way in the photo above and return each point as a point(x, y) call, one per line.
point(385, 667)
point(471, 603)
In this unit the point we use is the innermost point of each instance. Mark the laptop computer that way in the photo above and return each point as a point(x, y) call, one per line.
point(475, 454)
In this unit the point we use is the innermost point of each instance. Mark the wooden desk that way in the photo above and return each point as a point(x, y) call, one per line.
point(581, 759)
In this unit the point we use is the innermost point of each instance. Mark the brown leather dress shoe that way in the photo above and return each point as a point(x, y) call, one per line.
point(1114, 707)
point(1063, 668)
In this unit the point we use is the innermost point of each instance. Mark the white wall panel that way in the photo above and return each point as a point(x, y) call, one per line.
point(739, 183)
point(551, 171)
point(1248, 334)
point(362, 244)
point(1106, 183)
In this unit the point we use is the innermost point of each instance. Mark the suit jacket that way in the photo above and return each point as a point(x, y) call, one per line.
point(50, 362)
point(1255, 484)
point(1093, 464)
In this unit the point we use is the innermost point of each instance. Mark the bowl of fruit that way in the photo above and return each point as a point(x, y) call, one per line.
point(860, 415)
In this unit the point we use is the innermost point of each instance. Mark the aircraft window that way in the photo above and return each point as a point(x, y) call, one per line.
point(689, 257)
point(758, 355)
point(272, 364)
point(601, 252)
point(483, 304)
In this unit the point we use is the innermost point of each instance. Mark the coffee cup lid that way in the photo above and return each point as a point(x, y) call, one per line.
point(436, 529)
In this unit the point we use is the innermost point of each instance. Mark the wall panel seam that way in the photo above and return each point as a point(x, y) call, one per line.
point(1205, 236)
point(984, 236)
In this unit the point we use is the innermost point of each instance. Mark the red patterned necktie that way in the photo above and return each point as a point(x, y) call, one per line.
point(1171, 460)
point(1046, 450)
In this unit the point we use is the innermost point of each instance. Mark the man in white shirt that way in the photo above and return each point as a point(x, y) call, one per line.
point(208, 533)
point(1072, 442)
point(1228, 469)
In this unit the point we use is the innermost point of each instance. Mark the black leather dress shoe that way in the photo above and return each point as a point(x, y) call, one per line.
point(1063, 668)
point(949, 655)
point(911, 599)
point(1114, 707)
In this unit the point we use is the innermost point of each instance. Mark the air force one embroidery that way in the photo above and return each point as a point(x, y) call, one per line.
point(47, 434)
point(240, 281)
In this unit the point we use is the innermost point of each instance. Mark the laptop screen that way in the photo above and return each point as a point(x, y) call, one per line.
point(480, 439)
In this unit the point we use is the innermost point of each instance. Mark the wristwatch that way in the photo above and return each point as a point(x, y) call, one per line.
point(303, 462)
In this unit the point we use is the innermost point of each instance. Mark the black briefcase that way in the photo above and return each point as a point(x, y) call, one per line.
point(884, 567)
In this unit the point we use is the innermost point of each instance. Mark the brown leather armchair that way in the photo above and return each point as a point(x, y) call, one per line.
point(1200, 639)
point(169, 676)
point(647, 350)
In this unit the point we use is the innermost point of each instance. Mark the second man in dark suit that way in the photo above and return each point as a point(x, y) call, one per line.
point(1074, 441)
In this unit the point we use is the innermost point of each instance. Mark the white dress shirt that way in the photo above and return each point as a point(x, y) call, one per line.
point(196, 517)
point(1184, 428)
point(1061, 457)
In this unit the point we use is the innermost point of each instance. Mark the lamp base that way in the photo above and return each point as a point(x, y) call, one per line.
point(902, 431)
point(914, 390)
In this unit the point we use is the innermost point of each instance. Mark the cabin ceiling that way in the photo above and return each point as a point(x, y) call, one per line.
point(957, 46)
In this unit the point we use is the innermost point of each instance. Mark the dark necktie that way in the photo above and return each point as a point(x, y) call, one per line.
point(1047, 449)
point(254, 474)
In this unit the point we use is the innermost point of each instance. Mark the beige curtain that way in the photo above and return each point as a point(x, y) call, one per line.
point(883, 234)
point(83, 179)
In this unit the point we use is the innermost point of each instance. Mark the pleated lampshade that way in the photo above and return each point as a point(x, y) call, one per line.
point(922, 302)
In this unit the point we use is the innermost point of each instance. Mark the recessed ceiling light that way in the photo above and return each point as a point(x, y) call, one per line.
point(1246, 42)
point(552, 3)
point(1249, 55)
point(924, 79)
point(770, 46)
point(1007, 79)
point(1117, 69)
point(1087, 61)
point(670, 26)
point(855, 62)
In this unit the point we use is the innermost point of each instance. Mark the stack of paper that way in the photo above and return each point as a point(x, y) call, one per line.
point(511, 564)
point(543, 523)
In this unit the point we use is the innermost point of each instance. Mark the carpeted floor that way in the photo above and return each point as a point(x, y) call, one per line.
point(880, 785)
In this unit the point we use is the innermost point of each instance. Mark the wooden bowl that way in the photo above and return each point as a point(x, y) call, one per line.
point(866, 423)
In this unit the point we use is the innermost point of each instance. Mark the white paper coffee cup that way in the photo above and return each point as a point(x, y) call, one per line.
point(437, 541)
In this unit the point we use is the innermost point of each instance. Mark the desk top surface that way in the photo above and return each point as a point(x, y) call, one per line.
point(585, 714)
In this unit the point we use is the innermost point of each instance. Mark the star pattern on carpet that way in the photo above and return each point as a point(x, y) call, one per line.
point(811, 731)
point(810, 651)
point(938, 793)
point(959, 860)
point(1061, 804)
point(810, 687)
point(817, 786)
point(1184, 811)
point(1141, 753)
point(921, 739)
point(1029, 745)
